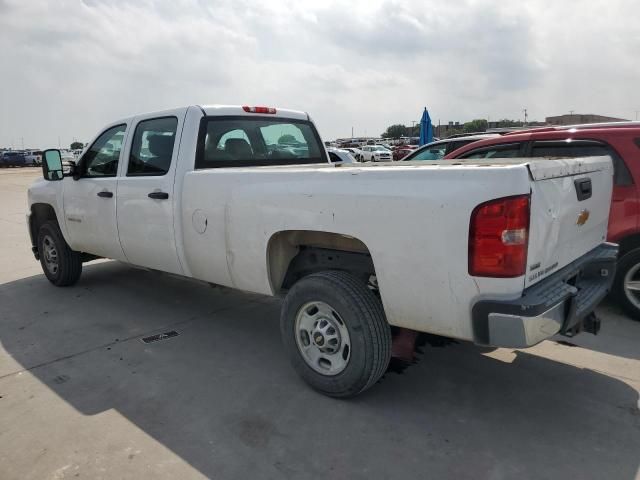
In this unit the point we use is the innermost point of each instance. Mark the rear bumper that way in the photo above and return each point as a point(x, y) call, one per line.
point(557, 304)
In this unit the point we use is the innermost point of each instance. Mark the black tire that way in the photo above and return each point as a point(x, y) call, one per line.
point(69, 262)
point(362, 314)
point(626, 263)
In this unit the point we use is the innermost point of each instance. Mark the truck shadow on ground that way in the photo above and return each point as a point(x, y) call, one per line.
point(222, 396)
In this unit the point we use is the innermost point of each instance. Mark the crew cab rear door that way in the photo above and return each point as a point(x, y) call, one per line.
point(145, 203)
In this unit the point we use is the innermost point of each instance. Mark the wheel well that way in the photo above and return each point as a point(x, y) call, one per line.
point(629, 243)
point(40, 213)
point(293, 254)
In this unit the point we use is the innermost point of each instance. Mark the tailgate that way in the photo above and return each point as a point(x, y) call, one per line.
point(570, 200)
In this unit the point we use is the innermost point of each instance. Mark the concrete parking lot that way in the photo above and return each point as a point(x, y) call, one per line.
point(82, 397)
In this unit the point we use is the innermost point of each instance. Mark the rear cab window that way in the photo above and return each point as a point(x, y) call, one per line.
point(240, 141)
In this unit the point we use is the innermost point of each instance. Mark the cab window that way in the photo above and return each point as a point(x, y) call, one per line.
point(101, 159)
point(333, 158)
point(510, 150)
point(152, 147)
point(584, 148)
point(456, 144)
point(433, 152)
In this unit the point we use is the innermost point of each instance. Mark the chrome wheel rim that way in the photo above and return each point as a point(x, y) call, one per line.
point(322, 338)
point(632, 285)
point(50, 254)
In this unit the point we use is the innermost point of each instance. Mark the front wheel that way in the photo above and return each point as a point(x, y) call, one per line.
point(61, 265)
point(335, 333)
point(626, 287)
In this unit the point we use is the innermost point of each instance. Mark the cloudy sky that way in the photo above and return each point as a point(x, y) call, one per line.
point(68, 67)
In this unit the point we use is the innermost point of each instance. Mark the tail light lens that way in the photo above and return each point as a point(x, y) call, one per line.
point(499, 237)
point(259, 109)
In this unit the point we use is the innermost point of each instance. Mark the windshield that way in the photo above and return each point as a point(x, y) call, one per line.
point(428, 152)
point(379, 148)
point(244, 141)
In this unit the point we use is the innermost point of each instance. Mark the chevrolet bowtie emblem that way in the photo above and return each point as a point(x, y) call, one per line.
point(583, 216)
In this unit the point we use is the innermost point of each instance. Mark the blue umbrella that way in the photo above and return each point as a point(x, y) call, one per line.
point(426, 129)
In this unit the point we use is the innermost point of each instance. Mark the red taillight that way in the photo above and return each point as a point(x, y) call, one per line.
point(498, 237)
point(259, 109)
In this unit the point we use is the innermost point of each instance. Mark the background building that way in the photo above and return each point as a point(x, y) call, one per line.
point(575, 118)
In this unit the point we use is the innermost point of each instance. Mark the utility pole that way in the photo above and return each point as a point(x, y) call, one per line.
point(352, 134)
point(637, 111)
point(525, 116)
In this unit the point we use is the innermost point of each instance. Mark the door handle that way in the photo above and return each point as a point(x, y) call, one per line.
point(158, 195)
point(105, 194)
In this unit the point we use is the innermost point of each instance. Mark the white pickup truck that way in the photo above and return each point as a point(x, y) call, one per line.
point(503, 254)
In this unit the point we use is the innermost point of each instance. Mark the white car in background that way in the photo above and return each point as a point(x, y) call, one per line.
point(339, 155)
point(375, 153)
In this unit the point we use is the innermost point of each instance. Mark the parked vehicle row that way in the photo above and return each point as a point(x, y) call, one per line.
point(12, 159)
point(20, 158)
point(506, 252)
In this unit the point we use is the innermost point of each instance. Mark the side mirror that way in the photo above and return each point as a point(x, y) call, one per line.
point(52, 165)
point(69, 168)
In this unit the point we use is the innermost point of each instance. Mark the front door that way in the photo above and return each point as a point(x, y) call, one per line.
point(145, 194)
point(90, 201)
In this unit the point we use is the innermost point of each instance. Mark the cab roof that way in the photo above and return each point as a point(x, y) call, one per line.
point(577, 127)
point(240, 110)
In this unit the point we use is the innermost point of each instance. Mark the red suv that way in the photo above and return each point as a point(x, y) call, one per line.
point(621, 141)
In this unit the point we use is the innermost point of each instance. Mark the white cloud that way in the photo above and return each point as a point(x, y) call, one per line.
point(68, 67)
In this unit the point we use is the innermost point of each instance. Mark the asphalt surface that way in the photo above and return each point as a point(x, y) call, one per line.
point(81, 396)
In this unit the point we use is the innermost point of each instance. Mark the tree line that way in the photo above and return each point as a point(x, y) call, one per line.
point(478, 125)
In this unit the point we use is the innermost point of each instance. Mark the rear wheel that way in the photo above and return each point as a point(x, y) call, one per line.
point(626, 287)
point(335, 333)
point(61, 265)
